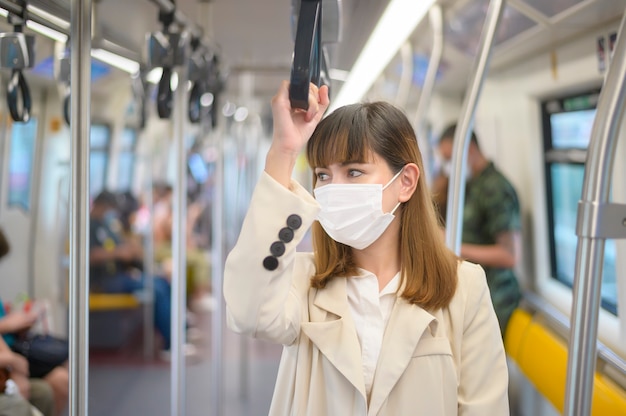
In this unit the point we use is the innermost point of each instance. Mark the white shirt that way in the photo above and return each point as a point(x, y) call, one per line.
point(370, 311)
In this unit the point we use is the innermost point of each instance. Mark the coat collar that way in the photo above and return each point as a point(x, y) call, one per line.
point(332, 330)
point(406, 326)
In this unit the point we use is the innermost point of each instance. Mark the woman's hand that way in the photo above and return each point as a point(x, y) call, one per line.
point(292, 129)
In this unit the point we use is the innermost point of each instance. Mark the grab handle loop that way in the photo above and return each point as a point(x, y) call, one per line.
point(164, 96)
point(18, 93)
point(307, 56)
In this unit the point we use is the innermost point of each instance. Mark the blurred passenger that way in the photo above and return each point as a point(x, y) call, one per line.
point(381, 318)
point(491, 224)
point(48, 394)
point(198, 267)
point(109, 257)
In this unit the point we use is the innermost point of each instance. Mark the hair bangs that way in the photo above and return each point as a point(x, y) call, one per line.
point(342, 137)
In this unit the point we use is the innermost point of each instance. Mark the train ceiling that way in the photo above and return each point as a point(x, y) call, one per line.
point(254, 37)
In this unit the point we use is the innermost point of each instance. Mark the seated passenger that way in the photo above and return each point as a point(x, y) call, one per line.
point(109, 257)
point(48, 395)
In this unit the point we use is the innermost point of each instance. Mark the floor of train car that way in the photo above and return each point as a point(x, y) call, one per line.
point(124, 383)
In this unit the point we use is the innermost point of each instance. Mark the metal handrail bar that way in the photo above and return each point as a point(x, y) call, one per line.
point(456, 188)
point(597, 220)
point(435, 16)
point(179, 248)
point(79, 207)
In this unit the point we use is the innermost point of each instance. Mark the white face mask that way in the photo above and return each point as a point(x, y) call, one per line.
point(446, 168)
point(352, 214)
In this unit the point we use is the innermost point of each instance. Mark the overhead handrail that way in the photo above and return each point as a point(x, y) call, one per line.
point(456, 188)
point(435, 16)
point(308, 58)
point(79, 208)
point(17, 52)
point(598, 219)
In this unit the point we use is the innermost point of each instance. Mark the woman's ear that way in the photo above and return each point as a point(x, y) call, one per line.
point(408, 181)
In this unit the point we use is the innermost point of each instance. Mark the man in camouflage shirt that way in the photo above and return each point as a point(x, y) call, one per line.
point(491, 225)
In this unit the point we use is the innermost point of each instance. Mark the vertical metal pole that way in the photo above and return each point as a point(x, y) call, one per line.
point(179, 247)
point(79, 208)
point(435, 16)
point(590, 251)
point(148, 266)
point(217, 247)
point(406, 75)
point(456, 188)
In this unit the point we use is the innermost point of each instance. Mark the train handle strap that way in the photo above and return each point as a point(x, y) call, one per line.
point(307, 54)
point(195, 107)
point(164, 95)
point(18, 93)
point(66, 106)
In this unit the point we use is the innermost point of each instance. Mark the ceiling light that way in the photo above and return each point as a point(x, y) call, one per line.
point(154, 76)
point(115, 60)
point(49, 17)
point(46, 31)
point(4, 13)
point(399, 20)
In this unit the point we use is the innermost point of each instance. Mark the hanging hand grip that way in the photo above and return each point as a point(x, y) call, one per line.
point(17, 89)
point(164, 96)
point(307, 56)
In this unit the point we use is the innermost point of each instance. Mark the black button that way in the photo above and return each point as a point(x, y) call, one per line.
point(277, 248)
point(285, 234)
point(270, 263)
point(294, 221)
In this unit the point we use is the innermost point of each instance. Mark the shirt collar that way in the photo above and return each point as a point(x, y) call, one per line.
point(392, 286)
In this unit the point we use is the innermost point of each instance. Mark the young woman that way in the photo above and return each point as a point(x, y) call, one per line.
point(381, 319)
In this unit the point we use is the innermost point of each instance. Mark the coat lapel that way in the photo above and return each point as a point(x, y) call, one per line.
point(405, 328)
point(332, 330)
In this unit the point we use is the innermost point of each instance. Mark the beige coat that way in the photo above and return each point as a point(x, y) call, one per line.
point(447, 362)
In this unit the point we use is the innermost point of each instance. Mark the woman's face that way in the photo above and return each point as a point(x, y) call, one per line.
point(376, 171)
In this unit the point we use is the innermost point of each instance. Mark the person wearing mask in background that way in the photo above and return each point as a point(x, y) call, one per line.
point(381, 318)
point(110, 257)
point(491, 223)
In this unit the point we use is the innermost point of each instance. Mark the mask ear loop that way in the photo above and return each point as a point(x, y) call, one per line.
point(393, 179)
point(389, 183)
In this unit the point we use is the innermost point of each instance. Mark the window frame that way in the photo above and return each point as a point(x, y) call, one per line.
point(574, 156)
point(106, 150)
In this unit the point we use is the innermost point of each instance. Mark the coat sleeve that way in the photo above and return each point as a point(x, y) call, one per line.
point(483, 384)
point(264, 288)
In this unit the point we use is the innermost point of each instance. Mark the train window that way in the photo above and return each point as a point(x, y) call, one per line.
point(567, 126)
point(126, 158)
point(100, 143)
point(21, 157)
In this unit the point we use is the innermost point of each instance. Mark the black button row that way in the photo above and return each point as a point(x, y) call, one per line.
point(285, 235)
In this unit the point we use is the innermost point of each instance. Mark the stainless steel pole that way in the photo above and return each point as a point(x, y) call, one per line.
point(435, 16)
point(218, 240)
point(148, 266)
point(597, 220)
point(80, 76)
point(456, 188)
point(179, 247)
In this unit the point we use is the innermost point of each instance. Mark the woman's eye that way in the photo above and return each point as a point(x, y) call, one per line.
point(321, 176)
point(353, 173)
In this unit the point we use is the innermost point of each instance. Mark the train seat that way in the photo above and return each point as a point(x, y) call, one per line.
point(541, 355)
point(113, 319)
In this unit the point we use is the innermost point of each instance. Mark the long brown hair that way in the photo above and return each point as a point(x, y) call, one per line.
point(352, 133)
